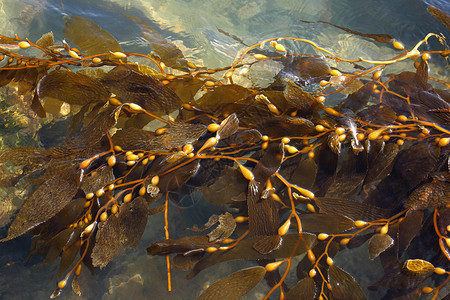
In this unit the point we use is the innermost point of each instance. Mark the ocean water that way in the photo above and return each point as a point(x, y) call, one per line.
point(196, 27)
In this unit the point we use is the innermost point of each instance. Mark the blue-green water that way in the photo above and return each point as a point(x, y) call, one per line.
point(193, 26)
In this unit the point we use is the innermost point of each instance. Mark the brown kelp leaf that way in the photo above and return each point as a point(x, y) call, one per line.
point(228, 185)
point(305, 289)
point(6, 76)
point(378, 244)
point(133, 218)
point(107, 241)
point(223, 94)
point(409, 227)
point(405, 279)
point(380, 160)
point(234, 37)
point(37, 107)
point(131, 86)
point(305, 173)
point(211, 221)
point(234, 286)
point(378, 114)
point(278, 99)
point(65, 169)
point(328, 223)
point(76, 120)
point(267, 243)
point(89, 37)
point(299, 99)
point(244, 250)
point(97, 180)
point(72, 88)
point(327, 162)
point(180, 245)
point(416, 162)
point(45, 202)
point(135, 138)
point(69, 214)
point(166, 50)
point(418, 267)
point(351, 209)
point(269, 163)
point(185, 262)
point(56, 244)
point(46, 40)
point(52, 254)
point(380, 38)
point(224, 230)
point(262, 213)
point(300, 125)
point(343, 285)
point(350, 175)
point(186, 88)
point(20, 156)
point(124, 229)
point(432, 194)
point(334, 144)
point(76, 286)
point(435, 107)
point(442, 16)
point(90, 135)
point(389, 258)
point(421, 76)
point(178, 177)
point(52, 105)
point(228, 127)
point(69, 254)
point(98, 108)
point(27, 80)
point(180, 134)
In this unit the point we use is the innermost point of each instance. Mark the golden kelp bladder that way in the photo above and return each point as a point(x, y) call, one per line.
point(292, 174)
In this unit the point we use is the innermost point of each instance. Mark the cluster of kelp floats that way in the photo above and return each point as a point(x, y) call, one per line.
point(297, 180)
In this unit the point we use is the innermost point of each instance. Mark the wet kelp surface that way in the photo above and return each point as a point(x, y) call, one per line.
point(333, 153)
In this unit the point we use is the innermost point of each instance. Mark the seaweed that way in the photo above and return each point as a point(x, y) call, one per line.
point(292, 175)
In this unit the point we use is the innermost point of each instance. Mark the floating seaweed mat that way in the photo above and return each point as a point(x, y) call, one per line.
point(376, 163)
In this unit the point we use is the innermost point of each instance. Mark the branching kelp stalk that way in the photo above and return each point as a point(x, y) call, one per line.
point(292, 175)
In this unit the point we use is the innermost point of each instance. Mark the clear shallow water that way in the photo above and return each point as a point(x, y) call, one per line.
point(193, 27)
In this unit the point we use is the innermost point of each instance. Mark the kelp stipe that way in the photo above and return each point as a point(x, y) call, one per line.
point(293, 175)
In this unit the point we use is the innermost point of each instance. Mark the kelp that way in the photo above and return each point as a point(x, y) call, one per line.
point(291, 175)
